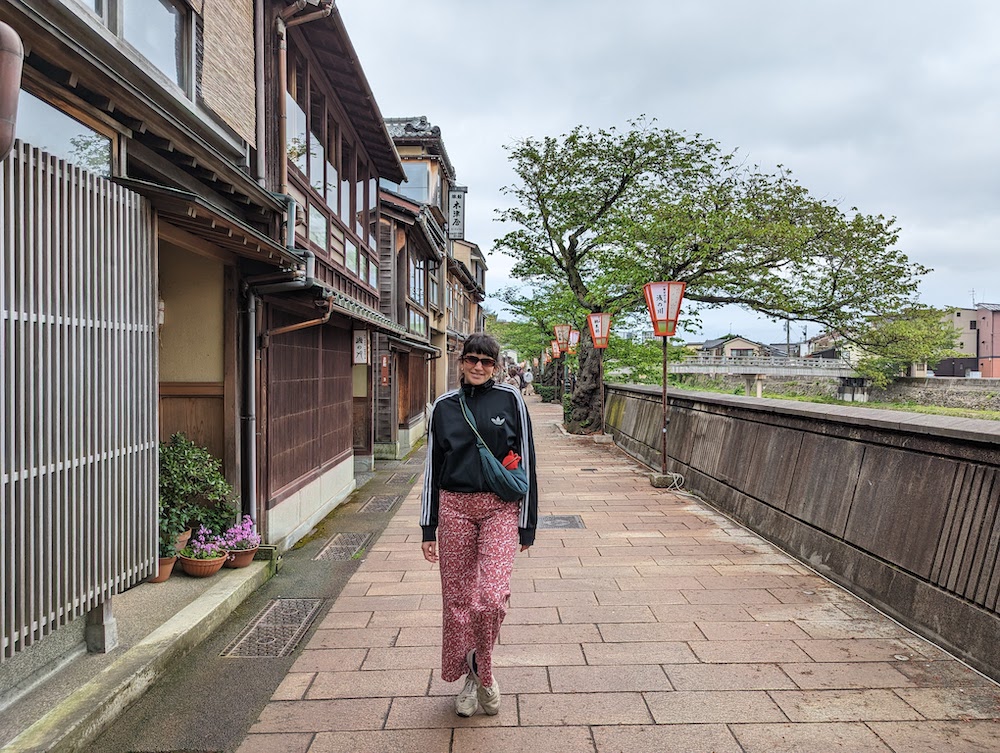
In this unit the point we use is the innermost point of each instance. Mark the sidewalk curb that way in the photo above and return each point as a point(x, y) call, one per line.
point(80, 718)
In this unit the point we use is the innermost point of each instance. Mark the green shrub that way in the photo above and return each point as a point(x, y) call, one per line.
point(193, 488)
point(567, 405)
point(546, 392)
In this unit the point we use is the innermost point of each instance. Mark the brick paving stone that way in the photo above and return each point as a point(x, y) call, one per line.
point(825, 676)
point(529, 634)
point(402, 589)
point(345, 620)
point(700, 613)
point(668, 583)
point(523, 740)
point(727, 596)
point(968, 703)
point(751, 631)
point(939, 737)
point(606, 614)
point(728, 677)
point(857, 649)
point(329, 660)
point(402, 658)
point(814, 738)
point(617, 632)
point(843, 705)
point(676, 652)
point(418, 636)
point(633, 598)
point(953, 674)
point(675, 738)
point(553, 599)
point(319, 716)
point(369, 684)
point(406, 619)
point(768, 652)
point(538, 655)
point(532, 616)
point(713, 707)
point(814, 615)
point(397, 741)
point(293, 686)
point(582, 708)
point(620, 677)
point(354, 637)
point(575, 584)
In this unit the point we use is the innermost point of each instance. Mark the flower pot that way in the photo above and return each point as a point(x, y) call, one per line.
point(182, 539)
point(165, 568)
point(241, 557)
point(201, 568)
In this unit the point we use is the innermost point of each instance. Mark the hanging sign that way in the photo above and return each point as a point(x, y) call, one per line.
point(361, 346)
point(383, 377)
point(456, 212)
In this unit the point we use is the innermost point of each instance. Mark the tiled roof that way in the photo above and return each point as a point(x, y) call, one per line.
point(988, 306)
point(418, 130)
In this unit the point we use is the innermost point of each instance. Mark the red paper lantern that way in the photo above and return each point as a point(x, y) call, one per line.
point(600, 329)
point(562, 335)
point(663, 299)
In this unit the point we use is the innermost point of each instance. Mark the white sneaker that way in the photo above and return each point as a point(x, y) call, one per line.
point(489, 698)
point(467, 701)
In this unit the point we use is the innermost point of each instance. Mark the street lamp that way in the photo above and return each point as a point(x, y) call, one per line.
point(663, 299)
point(600, 331)
point(562, 338)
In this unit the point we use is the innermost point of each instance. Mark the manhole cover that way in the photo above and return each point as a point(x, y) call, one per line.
point(560, 521)
point(276, 630)
point(344, 546)
point(381, 503)
point(402, 478)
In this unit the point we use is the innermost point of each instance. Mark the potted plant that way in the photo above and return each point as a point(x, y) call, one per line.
point(193, 488)
point(242, 542)
point(167, 547)
point(204, 555)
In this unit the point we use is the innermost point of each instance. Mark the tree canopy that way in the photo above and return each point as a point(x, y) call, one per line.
point(603, 212)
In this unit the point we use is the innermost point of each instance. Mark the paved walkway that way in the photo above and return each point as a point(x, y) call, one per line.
point(662, 626)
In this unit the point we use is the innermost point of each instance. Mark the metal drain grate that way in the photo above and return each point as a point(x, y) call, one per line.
point(561, 521)
point(381, 503)
point(402, 478)
point(276, 631)
point(344, 546)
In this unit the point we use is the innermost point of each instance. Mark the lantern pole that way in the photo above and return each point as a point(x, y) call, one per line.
point(666, 410)
point(600, 384)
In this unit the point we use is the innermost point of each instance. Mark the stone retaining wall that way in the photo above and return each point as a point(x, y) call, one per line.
point(900, 508)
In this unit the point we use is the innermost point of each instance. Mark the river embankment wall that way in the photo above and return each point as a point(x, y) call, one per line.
point(900, 508)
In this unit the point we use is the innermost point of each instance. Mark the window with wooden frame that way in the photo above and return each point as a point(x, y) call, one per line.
point(161, 32)
point(74, 138)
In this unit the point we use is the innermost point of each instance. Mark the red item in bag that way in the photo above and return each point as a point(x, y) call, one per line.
point(511, 461)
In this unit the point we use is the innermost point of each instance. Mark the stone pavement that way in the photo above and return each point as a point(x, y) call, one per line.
point(660, 626)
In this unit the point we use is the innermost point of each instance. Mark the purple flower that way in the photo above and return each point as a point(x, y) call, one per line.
point(241, 536)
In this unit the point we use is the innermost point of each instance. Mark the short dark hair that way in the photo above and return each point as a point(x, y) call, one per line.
point(480, 342)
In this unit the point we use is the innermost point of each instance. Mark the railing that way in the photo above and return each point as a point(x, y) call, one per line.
point(748, 363)
point(78, 355)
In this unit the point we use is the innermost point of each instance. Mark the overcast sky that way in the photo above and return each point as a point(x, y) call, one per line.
point(892, 106)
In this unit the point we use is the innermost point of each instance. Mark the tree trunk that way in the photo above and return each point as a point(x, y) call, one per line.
point(585, 410)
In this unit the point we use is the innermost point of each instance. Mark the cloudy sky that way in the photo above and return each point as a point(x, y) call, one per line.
point(892, 106)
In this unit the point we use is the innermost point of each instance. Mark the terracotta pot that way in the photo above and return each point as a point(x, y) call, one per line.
point(182, 539)
point(241, 557)
point(166, 567)
point(201, 568)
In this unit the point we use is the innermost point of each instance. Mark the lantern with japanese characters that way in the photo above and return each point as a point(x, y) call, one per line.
point(574, 340)
point(556, 352)
point(600, 329)
point(663, 299)
point(562, 335)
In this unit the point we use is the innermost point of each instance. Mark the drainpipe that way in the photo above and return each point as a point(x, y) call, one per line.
point(250, 408)
point(258, 81)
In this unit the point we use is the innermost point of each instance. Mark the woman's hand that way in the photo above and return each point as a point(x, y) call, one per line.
point(430, 549)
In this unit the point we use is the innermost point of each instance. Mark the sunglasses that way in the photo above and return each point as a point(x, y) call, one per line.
point(488, 363)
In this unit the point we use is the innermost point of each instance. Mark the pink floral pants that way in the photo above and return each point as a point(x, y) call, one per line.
point(477, 541)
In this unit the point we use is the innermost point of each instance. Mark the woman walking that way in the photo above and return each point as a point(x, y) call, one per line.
point(469, 529)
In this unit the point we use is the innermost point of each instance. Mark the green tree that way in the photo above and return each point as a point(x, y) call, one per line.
point(603, 212)
point(917, 335)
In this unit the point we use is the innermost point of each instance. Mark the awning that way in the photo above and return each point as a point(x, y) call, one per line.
point(342, 304)
point(200, 217)
point(415, 345)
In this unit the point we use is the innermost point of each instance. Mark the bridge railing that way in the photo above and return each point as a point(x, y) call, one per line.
point(740, 362)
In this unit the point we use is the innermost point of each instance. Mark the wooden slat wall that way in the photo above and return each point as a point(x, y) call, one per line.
point(78, 453)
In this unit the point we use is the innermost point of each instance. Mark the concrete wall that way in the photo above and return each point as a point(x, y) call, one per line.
point(975, 394)
point(900, 508)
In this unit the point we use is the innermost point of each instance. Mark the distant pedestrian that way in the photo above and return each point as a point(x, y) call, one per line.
point(528, 379)
point(469, 529)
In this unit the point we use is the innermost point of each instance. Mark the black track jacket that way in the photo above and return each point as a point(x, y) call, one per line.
point(452, 458)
